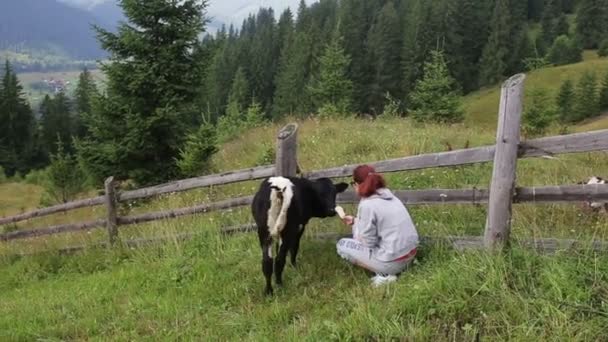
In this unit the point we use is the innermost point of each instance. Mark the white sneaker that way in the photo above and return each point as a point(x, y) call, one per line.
point(379, 279)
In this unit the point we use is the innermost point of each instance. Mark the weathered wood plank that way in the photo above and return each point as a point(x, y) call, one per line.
point(87, 202)
point(199, 182)
point(564, 193)
point(182, 185)
point(548, 194)
point(286, 157)
point(63, 228)
point(563, 144)
point(502, 186)
point(111, 222)
point(431, 196)
point(204, 208)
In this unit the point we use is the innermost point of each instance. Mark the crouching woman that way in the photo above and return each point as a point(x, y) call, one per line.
point(384, 235)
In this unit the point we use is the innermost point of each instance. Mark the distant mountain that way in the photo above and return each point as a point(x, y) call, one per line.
point(48, 24)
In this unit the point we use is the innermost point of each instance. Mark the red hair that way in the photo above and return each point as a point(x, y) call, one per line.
point(368, 180)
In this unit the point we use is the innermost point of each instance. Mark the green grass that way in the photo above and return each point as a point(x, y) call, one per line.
point(211, 289)
point(482, 106)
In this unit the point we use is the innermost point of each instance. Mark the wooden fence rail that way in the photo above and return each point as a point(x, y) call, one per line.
point(503, 191)
point(573, 143)
point(549, 194)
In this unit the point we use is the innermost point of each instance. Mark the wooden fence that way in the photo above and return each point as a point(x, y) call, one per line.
point(499, 197)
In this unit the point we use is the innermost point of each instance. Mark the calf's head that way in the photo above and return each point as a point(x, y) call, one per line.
point(325, 192)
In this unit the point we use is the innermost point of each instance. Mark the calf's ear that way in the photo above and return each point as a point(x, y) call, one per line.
point(341, 187)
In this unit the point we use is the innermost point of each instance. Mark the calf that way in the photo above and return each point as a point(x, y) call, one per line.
point(601, 206)
point(281, 209)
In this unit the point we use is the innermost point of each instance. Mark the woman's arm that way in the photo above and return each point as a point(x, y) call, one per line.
point(364, 228)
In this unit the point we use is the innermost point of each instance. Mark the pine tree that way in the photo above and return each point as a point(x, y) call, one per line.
point(239, 93)
point(16, 123)
point(333, 86)
point(562, 27)
point(56, 122)
point(85, 91)
point(565, 101)
point(292, 77)
point(194, 159)
point(65, 178)
point(603, 49)
point(604, 93)
point(152, 87)
point(264, 58)
point(465, 25)
point(434, 98)
point(383, 42)
point(355, 21)
point(549, 19)
point(591, 22)
point(493, 64)
point(538, 114)
point(587, 100)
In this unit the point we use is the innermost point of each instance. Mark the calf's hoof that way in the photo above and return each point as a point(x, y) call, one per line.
point(268, 291)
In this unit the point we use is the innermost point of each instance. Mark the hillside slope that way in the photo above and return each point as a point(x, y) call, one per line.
point(482, 106)
point(48, 25)
point(210, 288)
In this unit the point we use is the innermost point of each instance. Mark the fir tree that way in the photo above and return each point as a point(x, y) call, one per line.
point(565, 101)
point(152, 84)
point(538, 114)
point(493, 62)
point(333, 86)
point(587, 100)
point(355, 21)
point(56, 122)
point(549, 19)
point(604, 93)
point(603, 49)
point(591, 22)
point(65, 178)
point(83, 101)
point(383, 42)
point(239, 93)
point(195, 158)
point(16, 123)
point(434, 98)
point(292, 77)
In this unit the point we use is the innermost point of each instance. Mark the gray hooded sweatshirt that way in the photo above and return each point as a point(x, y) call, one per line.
point(384, 225)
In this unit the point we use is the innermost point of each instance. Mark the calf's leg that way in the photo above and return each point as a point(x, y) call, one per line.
point(293, 252)
point(267, 264)
point(279, 264)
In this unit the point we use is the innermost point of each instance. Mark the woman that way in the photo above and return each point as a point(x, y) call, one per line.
point(384, 236)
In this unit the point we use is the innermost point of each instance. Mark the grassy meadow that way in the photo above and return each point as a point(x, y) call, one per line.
point(210, 288)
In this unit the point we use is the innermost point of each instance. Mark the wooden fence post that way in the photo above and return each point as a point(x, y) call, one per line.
point(502, 187)
point(287, 145)
point(111, 217)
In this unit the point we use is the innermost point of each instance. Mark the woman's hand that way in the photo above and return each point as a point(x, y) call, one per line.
point(348, 220)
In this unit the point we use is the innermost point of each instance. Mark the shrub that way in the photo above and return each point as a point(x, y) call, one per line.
point(539, 113)
point(603, 50)
point(2, 175)
point(195, 158)
point(565, 51)
point(64, 178)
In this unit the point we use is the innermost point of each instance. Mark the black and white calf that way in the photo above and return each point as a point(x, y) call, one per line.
point(600, 206)
point(281, 209)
